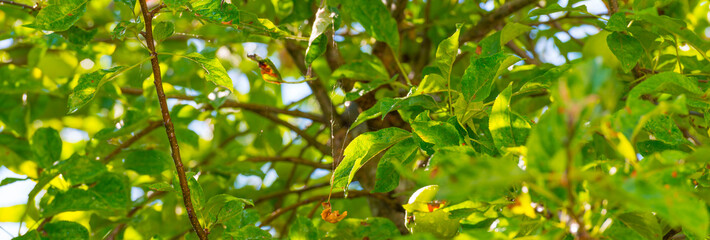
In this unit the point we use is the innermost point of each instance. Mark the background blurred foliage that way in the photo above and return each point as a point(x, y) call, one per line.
point(537, 119)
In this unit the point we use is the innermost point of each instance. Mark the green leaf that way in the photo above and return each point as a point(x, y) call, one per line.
point(369, 228)
point(46, 147)
point(508, 128)
point(317, 43)
point(80, 169)
point(665, 129)
point(123, 27)
point(196, 191)
point(112, 190)
point(147, 162)
point(60, 15)
point(65, 230)
point(163, 30)
point(626, 48)
point(251, 232)
point(214, 71)
point(10, 180)
point(432, 83)
point(176, 5)
point(644, 223)
point(553, 8)
point(87, 87)
point(446, 54)
point(465, 110)
point(387, 177)
point(361, 89)
point(387, 105)
point(617, 22)
point(665, 82)
point(363, 148)
point(677, 27)
point(478, 78)
point(511, 31)
point(370, 70)
point(223, 207)
point(441, 134)
point(78, 36)
point(160, 186)
point(672, 205)
point(73, 199)
point(316, 48)
point(130, 3)
point(303, 229)
point(31, 235)
point(374, 16)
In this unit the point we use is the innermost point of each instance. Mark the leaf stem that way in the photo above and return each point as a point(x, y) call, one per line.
point(169, 128)
point(401, 69)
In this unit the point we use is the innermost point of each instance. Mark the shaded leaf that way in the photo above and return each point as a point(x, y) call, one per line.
point(374, 16)
point(80, 169)
point(148, 162)
point(302, 229)
point(163, 30)
point(65, 230)
point(46, 147)
point(387, 177)
point(626, 48)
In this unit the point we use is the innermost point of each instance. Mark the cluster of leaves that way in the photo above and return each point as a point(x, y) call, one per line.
point(610, 141)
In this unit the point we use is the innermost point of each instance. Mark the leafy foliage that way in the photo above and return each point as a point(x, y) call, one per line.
point(560, 120)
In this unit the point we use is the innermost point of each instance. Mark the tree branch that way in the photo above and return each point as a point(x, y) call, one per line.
point(152, 125)
point(169, 128)
point(287, 192)
point(23, 6)
point(130, 214)
point(310, 139)
point(494, 19)
point(295, 160)
point(246, 106)
point(520, 52)
point(317, 87)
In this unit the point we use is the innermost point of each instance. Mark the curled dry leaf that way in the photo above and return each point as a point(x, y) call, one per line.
point(331, 216)
point(268, 70)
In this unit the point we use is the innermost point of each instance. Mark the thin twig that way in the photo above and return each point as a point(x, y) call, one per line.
point(169, 128)
point(295, 160)
point(24, 6)
point(522, 53)
point(287, 192)
point(133, 212)
point(240, 105)
point(494, 19)
point(310, 139)
point(152, 125)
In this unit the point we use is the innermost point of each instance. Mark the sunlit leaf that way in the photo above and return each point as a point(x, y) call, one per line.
point(60, 15)
point(214, 71)
point(362, 149)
